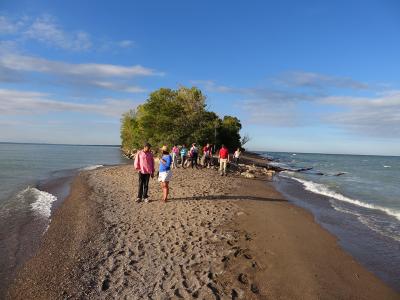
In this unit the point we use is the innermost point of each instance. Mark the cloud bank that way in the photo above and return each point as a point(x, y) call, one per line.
point(296, 99)
point(14, 102)
point(378, 115)
point(16, 67)
point(46, 29)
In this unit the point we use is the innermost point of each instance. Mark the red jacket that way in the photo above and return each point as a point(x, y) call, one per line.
point(223, 153)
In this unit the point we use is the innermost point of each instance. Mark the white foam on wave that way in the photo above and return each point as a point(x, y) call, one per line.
point(278, 164)
point(321, 189)
point(43, 201)
point(387, 166)
point(89, 168)
point(370, 223)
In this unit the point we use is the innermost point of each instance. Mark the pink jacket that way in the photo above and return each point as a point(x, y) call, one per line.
point(175, 150)
point(144, 162)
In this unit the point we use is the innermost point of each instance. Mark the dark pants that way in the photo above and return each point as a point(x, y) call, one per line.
point(143, 185)
point(194, 160)
point(207, 161)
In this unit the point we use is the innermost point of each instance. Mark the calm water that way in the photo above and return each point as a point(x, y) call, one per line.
point(356, 197)
point(32, 178)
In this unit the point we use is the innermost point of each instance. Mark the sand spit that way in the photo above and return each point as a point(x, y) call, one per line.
point(157, 251)
point(126, 250)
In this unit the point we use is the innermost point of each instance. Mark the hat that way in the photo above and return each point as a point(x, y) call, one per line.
point(164, 148)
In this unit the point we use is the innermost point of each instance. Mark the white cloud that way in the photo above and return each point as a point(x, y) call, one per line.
point(13, 102)
point(7, 26)
point(319, 81)
point(45, 29)
point(126, 44)
point(211, 86)
point(259, 94)
point(17, 68)
point(14, 67)
point(276, 115)
point(119, 87)
point(34, 64)
point(284, 87)
point(385, 99)
point(378, 115)
point(267, 105)
point(289, 106)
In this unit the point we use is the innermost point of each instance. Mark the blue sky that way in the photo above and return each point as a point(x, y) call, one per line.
point(303, 76)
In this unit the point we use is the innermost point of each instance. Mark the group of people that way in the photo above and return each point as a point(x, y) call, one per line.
point(144, 164)
point(184, 157)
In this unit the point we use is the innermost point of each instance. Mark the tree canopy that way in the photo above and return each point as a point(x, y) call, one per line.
point(177, 117)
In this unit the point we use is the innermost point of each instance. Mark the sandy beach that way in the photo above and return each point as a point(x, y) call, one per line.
point(217, 238)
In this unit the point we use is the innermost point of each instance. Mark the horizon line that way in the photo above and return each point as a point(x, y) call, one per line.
point(254, 151)
point(60, 144)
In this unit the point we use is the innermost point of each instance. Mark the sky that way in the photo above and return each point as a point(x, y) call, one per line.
point(302, 76)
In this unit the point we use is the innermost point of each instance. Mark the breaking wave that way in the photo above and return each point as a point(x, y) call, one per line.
point(321, 189)
point(42, 201)
point(92, 167)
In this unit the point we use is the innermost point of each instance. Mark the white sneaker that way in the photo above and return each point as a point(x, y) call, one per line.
point(146, 200)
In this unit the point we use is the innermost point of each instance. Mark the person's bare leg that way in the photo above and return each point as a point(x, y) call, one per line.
point(162, 188)
point(165, 191)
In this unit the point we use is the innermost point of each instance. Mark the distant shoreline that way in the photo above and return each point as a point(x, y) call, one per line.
point(53, 144)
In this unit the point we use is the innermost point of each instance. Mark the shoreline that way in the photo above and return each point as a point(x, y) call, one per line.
point(23, 232)
point(254, 261)
point(376, 252)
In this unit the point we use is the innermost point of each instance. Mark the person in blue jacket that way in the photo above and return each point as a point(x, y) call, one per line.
point(165, 172)
point(184, 153)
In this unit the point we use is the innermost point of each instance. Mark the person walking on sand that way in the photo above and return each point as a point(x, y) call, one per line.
point(223, 159)
point(194, 153)
point(184, 153)
point(211, 149)
point(236, 155)
point(165, 172)
point(144, 163)
point(175, 153)
point(206, 155)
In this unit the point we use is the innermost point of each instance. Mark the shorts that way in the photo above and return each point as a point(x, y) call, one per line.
point(165, 176)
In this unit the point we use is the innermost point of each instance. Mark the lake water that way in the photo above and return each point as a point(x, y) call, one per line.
point(356, 197)
point(33, 179)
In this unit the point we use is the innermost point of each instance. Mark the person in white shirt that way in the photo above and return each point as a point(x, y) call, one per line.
point(236, 155)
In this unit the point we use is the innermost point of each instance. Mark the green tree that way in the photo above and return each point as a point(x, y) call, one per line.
point(158, 117)
point(228, 133)
point(205, 128)
point(177, 116)
point(128, 123)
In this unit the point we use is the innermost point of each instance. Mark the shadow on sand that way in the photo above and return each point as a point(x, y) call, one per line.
point(230, 197)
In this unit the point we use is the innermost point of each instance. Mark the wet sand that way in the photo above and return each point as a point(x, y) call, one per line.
point(218, 238)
